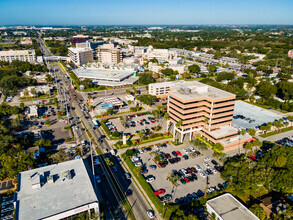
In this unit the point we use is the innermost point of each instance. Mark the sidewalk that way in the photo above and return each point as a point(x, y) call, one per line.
point(276, 137)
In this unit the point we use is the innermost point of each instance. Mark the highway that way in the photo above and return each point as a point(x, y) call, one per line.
point(107, 188)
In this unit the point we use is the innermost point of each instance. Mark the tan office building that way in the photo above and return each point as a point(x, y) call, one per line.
point(202, 109)
point(80, 56)
point(22, 55)
point(108, 54)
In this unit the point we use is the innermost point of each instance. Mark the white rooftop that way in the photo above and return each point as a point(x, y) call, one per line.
point(224, 130)
point(39, 197)
point(230, 208)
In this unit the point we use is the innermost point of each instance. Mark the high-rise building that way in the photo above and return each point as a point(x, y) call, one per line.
point(109, 54)
point(196, 108)
point(80, 56)
point(22, 55)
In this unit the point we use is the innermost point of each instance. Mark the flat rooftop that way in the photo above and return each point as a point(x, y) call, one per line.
point(103, 74)
point(224, 130)
point(34, 202)
point(193, 89)
point(230, 208)
point(254, 116)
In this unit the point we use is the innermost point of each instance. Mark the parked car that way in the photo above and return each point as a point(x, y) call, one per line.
point(159, 192)
point(178, 153)
point(150, 213)
point(153, 167)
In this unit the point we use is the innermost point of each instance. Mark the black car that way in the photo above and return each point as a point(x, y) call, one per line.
point(194, 176)
point(182, 181)
point(128, 192)
point(214, 162)
point(177, 159)
point(190, 178)
point(200, 193)
point(174, 153)
point(210, 171)
point(148, 149)
point(185, 157)
point(172, 161)
point(218, 168)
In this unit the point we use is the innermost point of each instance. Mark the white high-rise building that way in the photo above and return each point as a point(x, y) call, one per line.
point(22, 55)
point(80, 56)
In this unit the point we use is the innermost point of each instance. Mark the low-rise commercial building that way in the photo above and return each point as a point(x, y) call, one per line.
point(80, 56)
point(26, 41)
point(227, 207)
point(58, 191)
point(22, 55)
point(79, 38)
point(32, 111)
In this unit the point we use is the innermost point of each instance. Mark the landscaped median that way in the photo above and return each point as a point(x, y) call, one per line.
point(165, 211)
point(151, 138)
point(276, 132)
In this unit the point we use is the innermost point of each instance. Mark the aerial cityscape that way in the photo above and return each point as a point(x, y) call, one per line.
point(146, 110)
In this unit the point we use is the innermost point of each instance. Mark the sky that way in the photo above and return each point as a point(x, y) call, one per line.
point(145, 12)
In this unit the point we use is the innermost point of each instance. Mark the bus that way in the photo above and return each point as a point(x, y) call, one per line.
point(96, 123)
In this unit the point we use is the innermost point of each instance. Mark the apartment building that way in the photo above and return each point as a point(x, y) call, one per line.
point(195, 108)
point(22, 55)
point(109, 54)
point(80, 56)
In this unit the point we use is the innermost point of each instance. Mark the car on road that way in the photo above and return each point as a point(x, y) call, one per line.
point(159, 192)
point(98, 179)
point(128, 192)
point(114, 168)
point(150, 213)
point(127, 175)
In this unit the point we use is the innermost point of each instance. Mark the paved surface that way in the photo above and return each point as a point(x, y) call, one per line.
point(161, 174)
point(137, 201)
point(276, 137)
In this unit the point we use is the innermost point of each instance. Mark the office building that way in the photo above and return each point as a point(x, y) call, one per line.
point(203, 110)
point(79, 38)
point(58, 191)
point(22, 55)
point(26, 41)
point(227, 207)
point(80, 56)
point(109, 54)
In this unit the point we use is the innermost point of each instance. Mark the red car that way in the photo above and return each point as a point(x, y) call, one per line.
point(141, 120)
point(152, 121)
point(159, 192)
point(186, 179)
point(178, 153)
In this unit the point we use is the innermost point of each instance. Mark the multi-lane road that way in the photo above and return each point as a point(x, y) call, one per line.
point(112, 182)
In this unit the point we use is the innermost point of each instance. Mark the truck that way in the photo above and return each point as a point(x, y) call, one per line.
point(96, 123)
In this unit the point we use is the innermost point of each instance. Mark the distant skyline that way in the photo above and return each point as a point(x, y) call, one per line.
point(146, 12)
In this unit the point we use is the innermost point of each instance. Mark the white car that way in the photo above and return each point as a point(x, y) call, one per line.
point(150, 179)
point(98, 179)
point(105, 150)
point(206, 165)
point(141, 151)
point(207, 158)
point(202, 174)
point(184, 171)
point(197, 167)
point(137, 164)
point(192, 149)
point(214, 170)
point(151, 213)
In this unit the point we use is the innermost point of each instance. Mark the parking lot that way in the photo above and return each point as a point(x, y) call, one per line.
point(183, 188)
point(144, 122)
point(6, 207)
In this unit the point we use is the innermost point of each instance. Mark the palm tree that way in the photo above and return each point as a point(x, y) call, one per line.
point(166, 116)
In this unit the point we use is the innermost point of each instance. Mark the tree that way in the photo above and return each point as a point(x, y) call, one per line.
point(251, 131)
point(281, 161)
point(243, 132)
point(43, 143)
point(167, 72)
point(179, 123)
point(21, 105)
point(218, 148)
point(266, 89)
point(225, 76)
point(145, 79)
point(48, 122)
point(212, 68)
point(128, 91)
point(166, 117)
point(33, 92)
point(110, 111)
point(248, 146)
point(258, 211)
point(87, 83)
point(186, 75)
point(49, 78)
point(129, 102)
point(134, 90)
point(194, 68)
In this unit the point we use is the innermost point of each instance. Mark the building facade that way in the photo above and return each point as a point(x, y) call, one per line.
point(109, 54)
point(22, 55)
point(80, 56)
point(195, 108)
point(290, 54)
